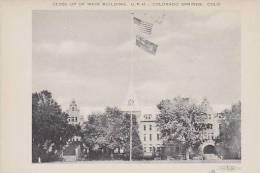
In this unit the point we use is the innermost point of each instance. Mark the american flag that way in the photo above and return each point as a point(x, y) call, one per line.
point(143, 26)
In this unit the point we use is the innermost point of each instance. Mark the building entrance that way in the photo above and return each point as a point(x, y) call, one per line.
point(209, 149)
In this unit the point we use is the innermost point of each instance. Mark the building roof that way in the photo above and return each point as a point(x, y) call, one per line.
point(153, 110)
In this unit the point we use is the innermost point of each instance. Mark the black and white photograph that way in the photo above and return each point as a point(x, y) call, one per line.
point(136, 86)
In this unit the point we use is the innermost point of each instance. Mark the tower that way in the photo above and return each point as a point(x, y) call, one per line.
point(74, 117)
point(74, 114)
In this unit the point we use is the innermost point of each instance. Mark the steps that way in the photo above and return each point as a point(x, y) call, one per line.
point(70, 149)
point(211, 157)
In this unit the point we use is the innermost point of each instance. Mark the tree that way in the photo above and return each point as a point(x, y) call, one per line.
point(137, 149)
point(95, 131)
point(110, 131)
point(231, 132)
point(178, 120)
point(50, 129)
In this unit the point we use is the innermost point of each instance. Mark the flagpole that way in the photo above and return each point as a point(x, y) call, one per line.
point(131, 131)
point(131, 105)
point(140, 42)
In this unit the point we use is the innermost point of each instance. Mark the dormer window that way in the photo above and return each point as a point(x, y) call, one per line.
point(147, 116)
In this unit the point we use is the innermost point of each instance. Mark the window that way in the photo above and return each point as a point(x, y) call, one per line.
point(150, 137)
point(144, 137)
point(75, 118)
point(144, 149)
point(144, 127)
point(151, 149)
point(150, 127)
point(206, 136)
point(147, 116)
point(158, 137)
point(211, 136)
point(209, 126)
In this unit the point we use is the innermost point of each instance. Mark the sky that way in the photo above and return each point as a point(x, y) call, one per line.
point(87, 56)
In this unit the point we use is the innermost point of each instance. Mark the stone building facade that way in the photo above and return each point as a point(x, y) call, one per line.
point(148, 131)
point(149, 134)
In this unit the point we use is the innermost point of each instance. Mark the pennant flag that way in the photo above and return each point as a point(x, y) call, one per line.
point(142, 26)
point(146, 45)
